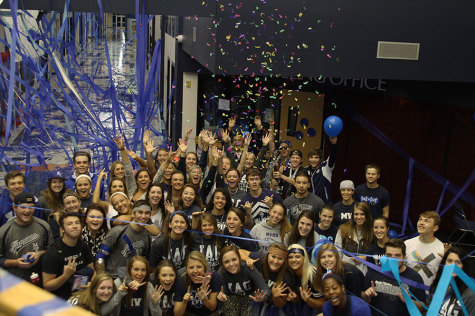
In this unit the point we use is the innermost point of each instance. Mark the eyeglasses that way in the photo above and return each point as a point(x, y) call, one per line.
point(284, 147)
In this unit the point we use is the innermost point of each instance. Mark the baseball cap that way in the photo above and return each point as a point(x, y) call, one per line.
point(347, 184)
point(24, 198)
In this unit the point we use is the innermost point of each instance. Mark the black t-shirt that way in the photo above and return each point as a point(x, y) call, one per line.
point(375, 253)
point(208, 247)
point(221, 220)
point(57, 256)
point(387, 288)
point(243, 283)
point(329, 233)
point(177, 251)
point(353, 279)
point(342, 213)
point(377, 198)
point(136, 303)
point(195, 305)
point(241, 243)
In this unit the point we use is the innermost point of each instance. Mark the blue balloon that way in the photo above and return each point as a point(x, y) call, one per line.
point(311, 132)
point(333, 126)
point(393, 234)
point(299, 135)
point(304, 122)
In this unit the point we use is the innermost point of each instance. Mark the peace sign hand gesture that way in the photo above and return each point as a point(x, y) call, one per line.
point(123, 287)
point(70, 268)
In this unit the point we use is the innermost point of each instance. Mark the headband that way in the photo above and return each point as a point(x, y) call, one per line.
point(178, 212)
point(120, 193)
point(297, 250)
point(277, 251)
point(329, 274)
point(83, 176)
point(70, 193)
point(143, 207)
point(194, 167)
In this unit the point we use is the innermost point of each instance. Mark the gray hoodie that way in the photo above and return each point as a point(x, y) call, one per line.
point(266, 235)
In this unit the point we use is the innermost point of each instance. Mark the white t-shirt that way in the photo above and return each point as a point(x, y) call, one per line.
point(427, 254)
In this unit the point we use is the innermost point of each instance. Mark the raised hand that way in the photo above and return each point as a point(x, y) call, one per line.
point(266, 139)
point(269, 200)
point(123, 287)
point(182, 145)
point(70, 268)
point(305, 293)
point(203, 291)
point(248, 206)
point(221, 296)
point(250, 262)
point(188, 133)
point(101, 175)
point(247, 140)
point(134, 285)
point(120, 142)
point(258, 122)
point(225, 136)
point(204, 136)
point(148, 143)
point(371, 291)
point(169, 207)
point(187, 296)
point(132, 154)
point(278, 290)
point(157, 293)
point(232, 121)
point(259, 296)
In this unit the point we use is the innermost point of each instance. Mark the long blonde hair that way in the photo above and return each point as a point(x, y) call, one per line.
point(88, 298)
point(308, 271)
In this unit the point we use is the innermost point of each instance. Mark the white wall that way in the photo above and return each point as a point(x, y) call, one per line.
point(169, 53)
point(190, 105)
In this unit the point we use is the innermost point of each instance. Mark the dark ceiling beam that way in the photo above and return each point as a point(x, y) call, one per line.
point(157, 7)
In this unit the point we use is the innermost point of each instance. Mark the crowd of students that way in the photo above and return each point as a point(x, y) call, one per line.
point(229, 229)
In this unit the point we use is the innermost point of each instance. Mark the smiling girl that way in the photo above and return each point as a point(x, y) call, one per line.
point(274, 229)
point(197, 288)
point(241, 285)
point(138, 296)
point(83, 189)
point(165, 277)
point(380, 230)
point(95, 229)
point(235, 228)
point(303, 232)
point(97, 297)
point(356, 235)
point(175, 244)
point(340, 303)
point(206, 242)
point(219, 206)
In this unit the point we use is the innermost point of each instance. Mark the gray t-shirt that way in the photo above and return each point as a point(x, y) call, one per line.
point(121, 243)
point(295, 206)
point(17, 240)
point(266, 235)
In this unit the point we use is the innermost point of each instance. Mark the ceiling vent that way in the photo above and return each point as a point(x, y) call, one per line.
point(398, 50)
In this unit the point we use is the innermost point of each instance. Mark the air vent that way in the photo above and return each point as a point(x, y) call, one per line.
point(398, 50)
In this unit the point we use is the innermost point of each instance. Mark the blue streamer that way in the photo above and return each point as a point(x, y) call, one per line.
point(405, 212)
